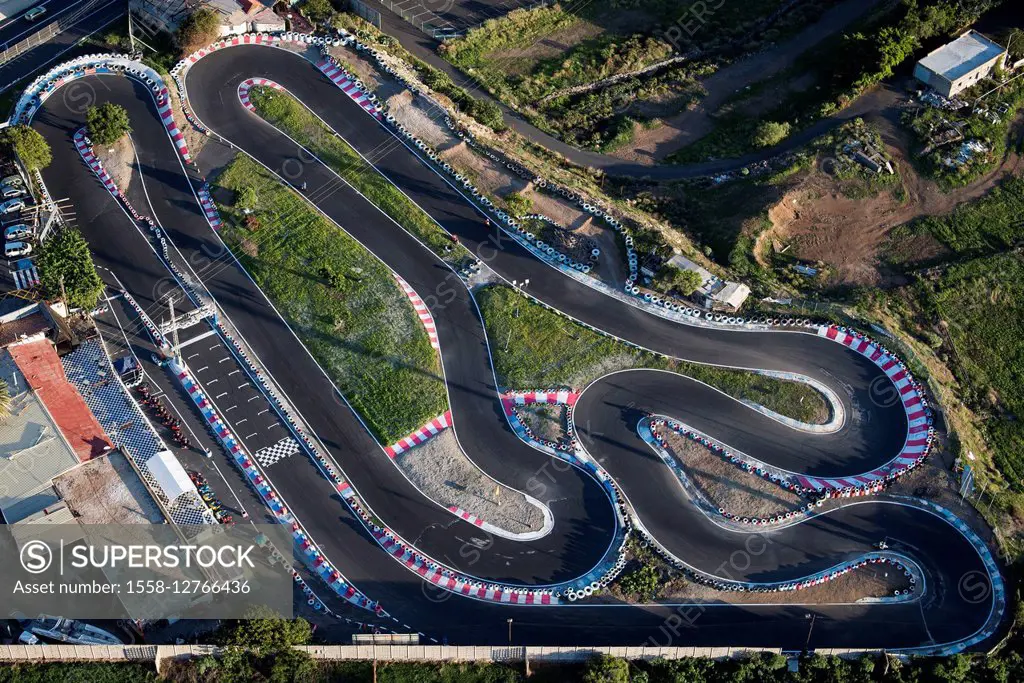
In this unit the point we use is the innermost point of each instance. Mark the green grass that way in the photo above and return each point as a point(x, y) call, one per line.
point(288, 114)
point(980, 303)
point(342, 302)
point(535, 347)
point(602, 39)
point(994, 223)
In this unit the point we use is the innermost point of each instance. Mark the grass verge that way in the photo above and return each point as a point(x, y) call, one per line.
point(343, 303)
point(291, 116)
point(535, 347)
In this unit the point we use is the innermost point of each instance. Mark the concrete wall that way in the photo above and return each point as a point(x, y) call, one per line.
point(433, 653)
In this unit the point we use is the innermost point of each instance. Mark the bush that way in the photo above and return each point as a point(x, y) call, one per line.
point(518, 204)
point(318, 10)
point(199, 29)
point(29, 146)
point(107, 123)
point(65, 259)
point(606, 669)
point(770, 133)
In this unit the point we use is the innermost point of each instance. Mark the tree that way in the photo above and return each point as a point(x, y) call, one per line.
point(107, 123)
point(5, 399)
point(770, 133)
point(606, 669)
point(682, 280)
point(318, 10)
point(264, 630)
point(198, 30)
point(29, 146)
point(65, 257)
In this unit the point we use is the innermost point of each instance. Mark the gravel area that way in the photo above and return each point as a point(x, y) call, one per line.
point(727, 486)
point(443, 473)
point(119, 160)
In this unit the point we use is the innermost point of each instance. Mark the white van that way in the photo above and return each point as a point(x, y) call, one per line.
point(12, 249)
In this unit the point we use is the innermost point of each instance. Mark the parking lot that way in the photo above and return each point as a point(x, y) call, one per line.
point(19, 222)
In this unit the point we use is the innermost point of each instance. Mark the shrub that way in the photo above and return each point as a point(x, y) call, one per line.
point(107, 123)
point(770, 133)
point(29, 146)
point(518, 204)
point(199, 29)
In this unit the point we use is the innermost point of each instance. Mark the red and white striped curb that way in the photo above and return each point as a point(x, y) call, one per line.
point(468, 516)
point(209, 208)
point(167, 116)
point(420, 435)
point(348, 86)
point(84, 148)
point(444, 579)
point(245, 86)
point(520, 398)
point(422, 311)
point(918, 439)
point(312, 555)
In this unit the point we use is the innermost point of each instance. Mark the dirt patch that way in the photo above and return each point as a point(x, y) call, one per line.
point(119, 160)
point(522, 61)
point(726, 486)
point(546, 420)
point(443, 473)
point(821, 221)
point(768, 97)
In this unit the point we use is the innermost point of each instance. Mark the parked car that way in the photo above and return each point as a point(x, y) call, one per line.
point(11, 191)
point(12, 205)
point(14, 179)
point(34, 13)
point(12, 249)
point(17, 232)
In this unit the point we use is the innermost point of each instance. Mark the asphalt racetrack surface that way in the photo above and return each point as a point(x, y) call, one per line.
point(584, 518)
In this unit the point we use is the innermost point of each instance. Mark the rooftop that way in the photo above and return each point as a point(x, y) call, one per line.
point(41, 367)
point(963, 55)
point(107, 490)
point(32, 450)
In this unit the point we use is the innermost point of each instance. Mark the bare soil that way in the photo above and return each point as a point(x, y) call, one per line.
point(119, 160)
point(546, 420)
point(107, 490)
point(727, 486)
point(443, 473)
point(851, 235)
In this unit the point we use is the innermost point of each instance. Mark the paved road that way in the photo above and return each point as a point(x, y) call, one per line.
point(17, 29)
point(425, 47)
point(584, 522)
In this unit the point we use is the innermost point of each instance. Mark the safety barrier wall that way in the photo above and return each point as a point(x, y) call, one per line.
point(426, 653)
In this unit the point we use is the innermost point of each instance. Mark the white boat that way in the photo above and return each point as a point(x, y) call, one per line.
point(71, 631)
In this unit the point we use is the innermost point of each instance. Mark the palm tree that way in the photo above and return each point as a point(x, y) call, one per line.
point(5, 400)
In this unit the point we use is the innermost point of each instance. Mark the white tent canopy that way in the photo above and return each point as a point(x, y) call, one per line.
point(169, 474)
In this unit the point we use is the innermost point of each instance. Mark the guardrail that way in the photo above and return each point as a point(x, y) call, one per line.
point(49, 31)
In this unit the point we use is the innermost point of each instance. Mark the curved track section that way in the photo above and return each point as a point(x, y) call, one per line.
point(587, 525)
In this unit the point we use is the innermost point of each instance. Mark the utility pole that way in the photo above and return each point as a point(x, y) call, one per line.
point(64, 297)
point(174, 330)
point(131, 36)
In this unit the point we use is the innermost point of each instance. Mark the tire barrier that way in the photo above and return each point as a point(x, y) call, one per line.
point(310, 552)
point(245, 86)
point(589, 466)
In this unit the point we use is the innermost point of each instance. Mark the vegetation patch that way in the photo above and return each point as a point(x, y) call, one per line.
point(342, 302)
point(535, 347)
point(288, 114)
point(541, 61)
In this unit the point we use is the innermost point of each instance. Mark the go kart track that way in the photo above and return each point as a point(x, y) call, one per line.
point(437, 572)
